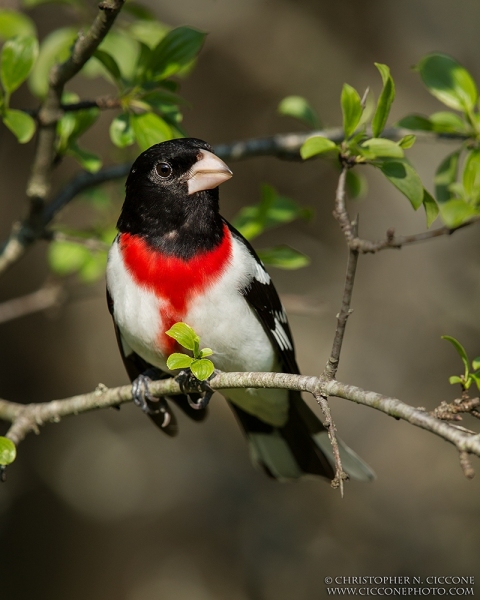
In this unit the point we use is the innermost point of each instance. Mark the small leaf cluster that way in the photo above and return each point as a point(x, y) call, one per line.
point(200, 366)
point(457, 179)
point(471, 373)
point(358, 147)
point(70, 127)
point(273, 210)
point(17, 58)
point(150, 104)
point(139, 57)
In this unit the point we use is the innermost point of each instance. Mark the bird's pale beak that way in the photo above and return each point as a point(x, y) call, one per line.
point(207, 173)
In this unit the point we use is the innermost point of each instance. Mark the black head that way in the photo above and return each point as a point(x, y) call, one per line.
point(172, 192)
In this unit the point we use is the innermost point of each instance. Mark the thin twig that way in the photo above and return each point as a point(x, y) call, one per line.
point(332, 364)
point(340, 475)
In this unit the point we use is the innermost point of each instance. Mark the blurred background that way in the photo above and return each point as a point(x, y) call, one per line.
point(104, 506)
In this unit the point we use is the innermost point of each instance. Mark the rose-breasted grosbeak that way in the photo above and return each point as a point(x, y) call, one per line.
point(176, 259)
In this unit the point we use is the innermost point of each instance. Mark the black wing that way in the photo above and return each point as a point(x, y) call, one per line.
point(262, 296)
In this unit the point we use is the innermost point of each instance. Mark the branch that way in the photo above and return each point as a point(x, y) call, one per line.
point(44, 298)
point(286, 146)
point(50, 111)
point(29, 417)
point(25, 233)
point(391, 240)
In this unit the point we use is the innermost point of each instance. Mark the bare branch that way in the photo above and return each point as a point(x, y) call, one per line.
point(341, 215)
point(26, 418)
point(46, 297)
point(340, 475)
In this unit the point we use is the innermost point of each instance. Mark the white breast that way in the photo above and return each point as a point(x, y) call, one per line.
point(137, 310)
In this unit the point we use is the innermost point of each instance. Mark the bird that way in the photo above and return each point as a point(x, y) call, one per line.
point(176, 259)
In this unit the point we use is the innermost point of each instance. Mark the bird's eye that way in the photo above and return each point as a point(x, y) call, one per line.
point(164, 170)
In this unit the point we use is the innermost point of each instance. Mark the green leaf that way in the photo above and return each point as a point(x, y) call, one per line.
point(65, 258)
point(448, 81)
point(448, 122)
point(476, 379)
point(110, 64)
point(456, 212)
point(90, 161)
point(404, 177)
point(174, 52)
point(149, 32)
point(184, 335)
point(178, 360)
point(351, 109)
point(416, 123)
point(73, 124)
point(384, 101)
point(476, 363)
point(162, 100)
point(18, 57)
point(93, 268)
point(356, 184)
point(381, 147)
point(446, 174)
point(8, 451)
point(121, 132)
point(471, 176)
point(284, 257)
point(206, 352)
point(149, 129)
point(369, 109)
point(123, 48)
point(407, 141)
point(20, 124)
point(455, 379)
point(14, 23)
point(272, 210)
point(431, 207)
point(54, 49)
point(317, 144)
point(299, 108)
point(461, 351)
point(202, 368)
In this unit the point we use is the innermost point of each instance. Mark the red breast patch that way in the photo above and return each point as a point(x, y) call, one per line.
point(173, 279)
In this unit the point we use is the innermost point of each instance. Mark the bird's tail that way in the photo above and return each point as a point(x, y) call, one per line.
point(300, 447)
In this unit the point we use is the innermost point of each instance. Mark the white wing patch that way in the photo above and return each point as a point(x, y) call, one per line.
point(281, 336)
point(261, 275)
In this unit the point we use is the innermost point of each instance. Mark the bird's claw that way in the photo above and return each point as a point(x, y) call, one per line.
point(187, 380)
point(150, 405)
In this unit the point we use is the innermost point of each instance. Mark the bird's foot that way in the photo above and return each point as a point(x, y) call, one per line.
point(143, 398)
point(187, 380)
